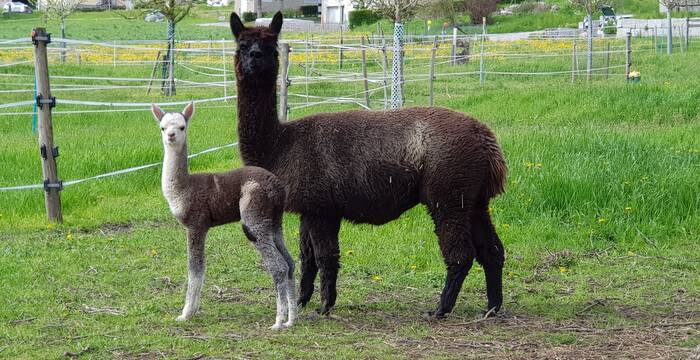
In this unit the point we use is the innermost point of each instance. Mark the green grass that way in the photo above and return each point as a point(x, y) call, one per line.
point(600, 221)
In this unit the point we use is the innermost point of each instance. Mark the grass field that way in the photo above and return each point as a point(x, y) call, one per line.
point(600, 222)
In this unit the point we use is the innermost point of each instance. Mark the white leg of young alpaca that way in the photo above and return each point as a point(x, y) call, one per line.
point(289, 280)
point(277, 267)
point(195, 272)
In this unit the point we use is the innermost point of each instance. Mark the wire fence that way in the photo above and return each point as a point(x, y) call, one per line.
point(320, 72)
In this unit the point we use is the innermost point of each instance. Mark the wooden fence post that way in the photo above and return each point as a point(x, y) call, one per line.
point(432, 71)
point(454, 46)
point(574, 68)
point(45, 102)
point(607, 62)
point(340, 49)
point(687, 32)
point(284, 81)
point(628, 60)
point(153, 72)
point(223, 63)
point(481, 56)
point(364, 72)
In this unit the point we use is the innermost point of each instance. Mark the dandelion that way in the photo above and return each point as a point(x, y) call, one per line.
point(350, 253)
point(563, 270)
point(69, 236)
point(154, 253)
point(50, 226)
point(376, 278)
point(538, 165)
point(602, 220)
point(490, 211)
point(628, 209)
point(414, 267)
point(510, 274)
point(506, 226)
point(630, 253)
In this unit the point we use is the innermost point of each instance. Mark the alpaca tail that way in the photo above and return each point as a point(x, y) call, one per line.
point(498, 170)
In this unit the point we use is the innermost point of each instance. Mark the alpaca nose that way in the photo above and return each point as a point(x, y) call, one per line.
point(257, 54)
point(171, 135)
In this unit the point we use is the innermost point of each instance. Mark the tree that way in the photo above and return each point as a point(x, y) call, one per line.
point(479, 9)
point(670, 5)
point(60, 10)
point(589, 6)
point(394, 9)
point(174, 11)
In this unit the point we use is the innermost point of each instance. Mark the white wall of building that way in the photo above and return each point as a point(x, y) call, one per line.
point(335, 11)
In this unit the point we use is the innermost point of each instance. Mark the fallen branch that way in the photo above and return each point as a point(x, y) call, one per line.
point(104, 310)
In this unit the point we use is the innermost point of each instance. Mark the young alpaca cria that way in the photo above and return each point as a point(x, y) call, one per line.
point(201, 201)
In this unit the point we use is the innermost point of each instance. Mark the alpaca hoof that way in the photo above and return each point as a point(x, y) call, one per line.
point(492, 311)
point(302, 302)
point(324, 310)
point(182, 317)
point(288, 324)
point(434, 315)
point(277, 327)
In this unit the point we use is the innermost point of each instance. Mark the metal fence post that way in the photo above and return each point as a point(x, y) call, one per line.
point(364, 72)
point(481, 56)
point(45, 102)
point(397, 68)
point(386, 77)
point(574, 68)
point(284, 81)
point(628, 59)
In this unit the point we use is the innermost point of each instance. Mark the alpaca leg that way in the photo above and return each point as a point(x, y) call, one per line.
point(195, 272)
point(309, 269)
point(324, 239)
point(458, 252)
point(291, 286)
point(263, 240)
point(490, 254)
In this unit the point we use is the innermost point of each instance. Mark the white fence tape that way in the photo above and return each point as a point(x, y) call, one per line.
point(114, 173)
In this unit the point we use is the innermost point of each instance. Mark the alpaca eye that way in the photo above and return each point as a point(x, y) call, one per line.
point(162, 129)
point(182, 128)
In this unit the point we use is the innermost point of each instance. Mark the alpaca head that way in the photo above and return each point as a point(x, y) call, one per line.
point(256, 55)
point(173, 126)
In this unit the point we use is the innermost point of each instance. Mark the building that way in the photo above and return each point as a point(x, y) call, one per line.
point(272, 5)
point(335, 11)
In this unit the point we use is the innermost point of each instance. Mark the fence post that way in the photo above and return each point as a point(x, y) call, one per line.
point(397, 68)
point(284, 81)
point(574, 68)
point(481, 56)
point(454, 46)
point(306, 66)
point(589, 54)
point(656, 47)
point(45, 102)
point(628, 60)
point(364, 72)
point(153, 72)
point(223, 62)
point(669, 32)
point(114, 54)
point(432, 71)
point(607, 62)
point(340, 49)
point(687, 32)
point(386, 79)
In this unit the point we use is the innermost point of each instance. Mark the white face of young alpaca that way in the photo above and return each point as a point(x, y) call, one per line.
point(173, 126)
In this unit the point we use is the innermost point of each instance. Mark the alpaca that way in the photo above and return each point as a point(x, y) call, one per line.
point(370, 167)
point(201, 201)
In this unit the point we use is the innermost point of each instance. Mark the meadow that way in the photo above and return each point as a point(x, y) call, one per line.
point(600, 222)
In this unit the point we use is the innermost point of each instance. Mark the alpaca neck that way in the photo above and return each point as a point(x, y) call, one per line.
point(258, 126)
point(175, 173)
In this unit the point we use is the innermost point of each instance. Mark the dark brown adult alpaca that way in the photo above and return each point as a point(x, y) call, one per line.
point(370, 167)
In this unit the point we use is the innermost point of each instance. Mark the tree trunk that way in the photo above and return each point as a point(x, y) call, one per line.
point(669, 38)
point(258, 8)
point(63, 43)
point(169, 63)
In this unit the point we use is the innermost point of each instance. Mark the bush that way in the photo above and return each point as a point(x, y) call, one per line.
point(249, 16)
point(362, 16)
point(478, 9)
point(309, 10)
point(609, 27)
point(291, 13)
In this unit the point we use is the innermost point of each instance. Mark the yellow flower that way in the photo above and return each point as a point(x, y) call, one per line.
point(563, 269)
point(506, 226)
point(350, 253)
point(110, 238)
point(154, 253)
point(478, 269)
point(376, 278)
point(602, 220)
point(630, 253)
point(490, 210)
point(628, 209)
point(413, 267)
point(50, 226)
point(538, 165)
point(69, 236)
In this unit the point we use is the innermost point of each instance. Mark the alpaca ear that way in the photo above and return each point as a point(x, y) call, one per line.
point(188, 112)
point(276, 24)
point(158, 113)
point(237, 26)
